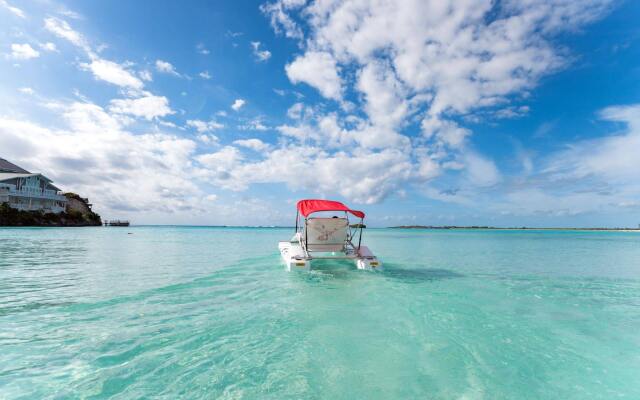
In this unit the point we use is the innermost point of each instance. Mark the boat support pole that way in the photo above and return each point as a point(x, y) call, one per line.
point(360, 238)
point(305, 233)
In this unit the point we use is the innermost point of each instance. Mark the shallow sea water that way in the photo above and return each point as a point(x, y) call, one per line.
point(190, 312)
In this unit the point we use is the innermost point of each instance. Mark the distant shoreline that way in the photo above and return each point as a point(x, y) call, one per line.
point(407, 227)
point(523, 228)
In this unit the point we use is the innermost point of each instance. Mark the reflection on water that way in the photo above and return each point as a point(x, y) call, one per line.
point(419, 275)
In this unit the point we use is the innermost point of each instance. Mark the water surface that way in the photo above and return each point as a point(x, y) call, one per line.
point(187, 312)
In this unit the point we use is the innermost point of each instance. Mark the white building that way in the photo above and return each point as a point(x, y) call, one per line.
point(26, 191)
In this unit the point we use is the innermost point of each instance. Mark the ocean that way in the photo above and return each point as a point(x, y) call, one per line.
point(204, 313)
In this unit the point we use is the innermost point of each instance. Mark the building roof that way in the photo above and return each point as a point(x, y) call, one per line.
point(6, 166)
point(5, 176)
point(9, 170)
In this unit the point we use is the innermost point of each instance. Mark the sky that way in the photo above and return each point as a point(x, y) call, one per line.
point(467, 112)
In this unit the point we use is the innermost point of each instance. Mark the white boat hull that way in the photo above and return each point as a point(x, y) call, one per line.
point(295, 259)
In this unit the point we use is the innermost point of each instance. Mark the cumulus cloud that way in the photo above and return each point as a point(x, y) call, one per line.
point(480, 170)
point(399, 80)
point(23, 51)
point(238, 104)
point(120, 171)
point(102, 69)
point(148, 106)
point(166, 67)
point(433, 62)
point(281, 21)
point(141, 103)
point(49, 47)
point(113, 73)
point(253, 144)
point(205, 75)
point(63, 30)
point(145, 75)
point(253, 125)
point(204, 126)
point(364, 179)
point(260, 55)
point(319, 70)
point(15, 10)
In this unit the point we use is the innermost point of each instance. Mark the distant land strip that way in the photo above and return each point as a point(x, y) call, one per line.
point(511, 228)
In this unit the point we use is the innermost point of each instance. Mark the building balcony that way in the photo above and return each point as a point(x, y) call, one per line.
point(37, 194)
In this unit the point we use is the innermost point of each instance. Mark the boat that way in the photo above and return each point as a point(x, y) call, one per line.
point(321, 237)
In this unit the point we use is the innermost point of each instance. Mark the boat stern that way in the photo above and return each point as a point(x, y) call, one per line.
point(293, 256)
point(367, 261)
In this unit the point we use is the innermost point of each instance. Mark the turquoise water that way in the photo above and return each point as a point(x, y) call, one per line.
point(179, 312)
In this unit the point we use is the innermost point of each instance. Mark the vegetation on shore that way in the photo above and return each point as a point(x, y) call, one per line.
point(71, 217)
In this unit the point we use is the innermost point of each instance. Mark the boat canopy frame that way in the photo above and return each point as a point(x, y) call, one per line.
point(305, 208)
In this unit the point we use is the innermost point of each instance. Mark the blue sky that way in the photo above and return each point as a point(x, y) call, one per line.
point(494, 113)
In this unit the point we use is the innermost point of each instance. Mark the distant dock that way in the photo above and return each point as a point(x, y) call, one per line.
point(116, 222)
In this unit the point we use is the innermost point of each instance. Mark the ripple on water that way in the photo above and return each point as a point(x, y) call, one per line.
point(179, 312)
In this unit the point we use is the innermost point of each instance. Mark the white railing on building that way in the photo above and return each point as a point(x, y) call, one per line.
point(36, 193)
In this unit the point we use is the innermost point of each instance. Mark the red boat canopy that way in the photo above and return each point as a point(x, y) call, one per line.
point(306, 207)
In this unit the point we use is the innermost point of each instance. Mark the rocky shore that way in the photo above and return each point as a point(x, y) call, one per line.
point(78, 213)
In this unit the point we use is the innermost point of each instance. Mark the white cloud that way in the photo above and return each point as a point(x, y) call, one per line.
point(62, 29)
point(295, 111)
point(234, 34)
point(15, 10)
point(511, 112)
point(221, 162)
point(165, 67)
point(26, 90)
point(281, 22)
point(23, 51)
point(260, 55)
point(202, 49)
point(481, 171)
point(204, 126)
point(145, 75)
point(365, 179)
point(70, 14)
point(238, 104)
point(612, 159)
point(49, 47)
point(253, 144)
point(121, 172)
point(438, 63)
point(205, 75)
point(102, 69)
point(113, 73)
point(588, 176)
point(445, 132)
point(254, 125)
point(317, 69)
point(208, 138)
point(399, 64)
point(148, 107)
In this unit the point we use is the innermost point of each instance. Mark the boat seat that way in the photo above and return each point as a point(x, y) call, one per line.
point(326, 234)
